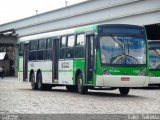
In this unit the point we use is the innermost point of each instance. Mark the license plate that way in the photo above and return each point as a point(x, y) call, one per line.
point(125, 79)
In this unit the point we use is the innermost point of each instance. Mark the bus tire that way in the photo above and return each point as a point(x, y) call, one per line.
point(33, 82)
point(48, 87)
point(71, 88)
point(124, 91)
point(81, 89)
point(40, 85)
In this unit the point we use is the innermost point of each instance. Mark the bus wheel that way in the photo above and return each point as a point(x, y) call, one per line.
point(124, 91)
point(48, 87)
point(40, 86)
point(71, 88)
point(33, 83)
point(81, 89)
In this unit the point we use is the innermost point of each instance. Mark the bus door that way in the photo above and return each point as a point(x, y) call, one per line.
point(55, 59)
point(25, 62)
point(89, 59)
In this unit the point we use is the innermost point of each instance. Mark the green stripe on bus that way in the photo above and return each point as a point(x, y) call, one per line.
point(65, 70)
point(46, 70)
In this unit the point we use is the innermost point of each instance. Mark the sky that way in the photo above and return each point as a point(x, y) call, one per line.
point(11, 10)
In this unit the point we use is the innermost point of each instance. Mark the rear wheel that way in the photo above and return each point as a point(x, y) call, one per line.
point(33, 82)
point(81, 89)
point(40, 85)
point(47, 86)
point(124, 91)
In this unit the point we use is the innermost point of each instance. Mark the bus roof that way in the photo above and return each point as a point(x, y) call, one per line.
point(87, 29)
point(90, 28)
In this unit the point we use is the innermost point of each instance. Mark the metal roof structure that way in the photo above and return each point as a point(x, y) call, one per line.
point(139, 12)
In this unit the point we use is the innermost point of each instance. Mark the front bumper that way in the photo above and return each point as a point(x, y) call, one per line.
point(121, 81)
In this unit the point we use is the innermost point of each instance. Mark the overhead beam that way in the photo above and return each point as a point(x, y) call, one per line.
point(8, 40)
point(139, 12)
point(89, 6)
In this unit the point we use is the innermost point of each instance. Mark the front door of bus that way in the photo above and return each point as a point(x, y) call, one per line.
point(55, 59)
point(25, 62)
point(89, 58)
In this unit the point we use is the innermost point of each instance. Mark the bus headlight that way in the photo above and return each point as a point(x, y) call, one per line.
point(151, 75)
point(142, 73)
point(105, 72)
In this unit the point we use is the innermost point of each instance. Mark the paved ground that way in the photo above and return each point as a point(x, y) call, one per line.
point(17, 98)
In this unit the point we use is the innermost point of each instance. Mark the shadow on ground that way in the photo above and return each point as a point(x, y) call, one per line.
point(97, 93)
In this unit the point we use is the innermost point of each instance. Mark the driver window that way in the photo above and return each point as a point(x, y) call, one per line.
point(110, 48)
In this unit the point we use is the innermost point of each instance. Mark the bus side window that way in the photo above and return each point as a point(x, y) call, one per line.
point(62, 47)
point(70, 47)
point(79, 47)
point(33, 46)
point(41, 53)
point(49, 49)
point(21, 49)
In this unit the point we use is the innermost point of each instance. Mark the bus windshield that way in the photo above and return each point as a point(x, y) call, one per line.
point(123, 50)
point(154, 55)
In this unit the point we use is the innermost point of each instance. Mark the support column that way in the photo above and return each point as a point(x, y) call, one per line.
point(16, 61)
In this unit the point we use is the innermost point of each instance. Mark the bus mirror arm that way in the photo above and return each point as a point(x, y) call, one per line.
point(96, 42)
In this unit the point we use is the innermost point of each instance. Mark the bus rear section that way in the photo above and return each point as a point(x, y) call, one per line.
point(154, 60)
point(122, 57)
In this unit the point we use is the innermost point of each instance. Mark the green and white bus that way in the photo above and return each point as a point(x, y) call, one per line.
point(154, 56)
point(108, 56)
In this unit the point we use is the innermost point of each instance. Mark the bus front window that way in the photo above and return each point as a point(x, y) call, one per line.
point(122, 50)
point(154, 58)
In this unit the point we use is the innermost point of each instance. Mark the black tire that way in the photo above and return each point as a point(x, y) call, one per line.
point(48, 87)
point(71, 88)
point(124, 91)
point(33, 82)
point(81, 89)
point(40, 85)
